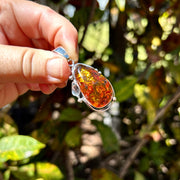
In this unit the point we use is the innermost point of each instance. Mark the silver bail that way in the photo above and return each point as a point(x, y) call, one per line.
point(60, 50)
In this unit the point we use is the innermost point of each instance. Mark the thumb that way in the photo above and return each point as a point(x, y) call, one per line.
point(28, 65)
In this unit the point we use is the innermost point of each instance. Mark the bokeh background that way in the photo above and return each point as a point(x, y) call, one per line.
point(136, 45)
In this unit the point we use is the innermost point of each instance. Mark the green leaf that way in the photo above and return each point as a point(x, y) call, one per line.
point(144, 164)
point(121, 4)
point(158, 153)
point(7, 125)
point(141, 92)
point(174, 69)
point(110, 142)
point(70, 114)
point(81, 16)
point(104, 174)
point(97, 37)
point(39, 170)
point(73, 137)
point(125, 88)
point(155, 153)
point(139, 176)
point(18, 147)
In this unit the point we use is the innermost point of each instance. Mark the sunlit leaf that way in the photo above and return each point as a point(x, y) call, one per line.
point(97, 37)
point(124, 88)
point(41, 170)
point(141, 92)
point(18, 147)
point(104, 174)
point(70, 114)
point(73, 137)
point(110, 142)
point(121, 4)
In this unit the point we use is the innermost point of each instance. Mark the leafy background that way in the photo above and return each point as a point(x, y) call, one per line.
point(136, 45)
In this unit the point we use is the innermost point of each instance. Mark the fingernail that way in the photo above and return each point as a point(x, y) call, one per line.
point(57, 70)
point(73, 53)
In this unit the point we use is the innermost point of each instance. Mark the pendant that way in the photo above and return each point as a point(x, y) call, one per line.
point(89, 85)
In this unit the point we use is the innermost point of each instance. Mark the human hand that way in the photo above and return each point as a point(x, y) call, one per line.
point(28, 33)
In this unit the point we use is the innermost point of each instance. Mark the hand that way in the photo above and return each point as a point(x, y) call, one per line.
point(28, 33)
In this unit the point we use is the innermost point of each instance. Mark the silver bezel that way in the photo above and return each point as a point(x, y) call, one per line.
point(76, 91)
point(80, 94)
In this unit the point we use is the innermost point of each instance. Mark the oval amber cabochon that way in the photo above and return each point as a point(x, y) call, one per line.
point(94, 86)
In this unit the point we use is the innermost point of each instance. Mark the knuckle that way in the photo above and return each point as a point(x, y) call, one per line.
point(27, 64)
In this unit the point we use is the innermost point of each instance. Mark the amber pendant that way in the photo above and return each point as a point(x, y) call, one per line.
point(89, 85)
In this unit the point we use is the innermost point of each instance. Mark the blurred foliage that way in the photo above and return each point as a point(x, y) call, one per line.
point(136, 44)
point(18, 147)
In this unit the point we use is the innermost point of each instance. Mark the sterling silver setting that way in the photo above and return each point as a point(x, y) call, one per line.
point(75, 89)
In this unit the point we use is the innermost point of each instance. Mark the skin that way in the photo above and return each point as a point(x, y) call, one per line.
point(28, 33)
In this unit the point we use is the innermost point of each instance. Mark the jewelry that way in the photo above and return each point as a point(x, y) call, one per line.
point(89, 85)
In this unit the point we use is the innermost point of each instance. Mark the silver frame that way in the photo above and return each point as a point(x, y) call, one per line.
point(75, 89)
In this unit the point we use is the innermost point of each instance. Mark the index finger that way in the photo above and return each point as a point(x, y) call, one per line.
point(40, 22)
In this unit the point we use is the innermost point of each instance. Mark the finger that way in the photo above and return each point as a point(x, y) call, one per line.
point(46, 24)
point(45, 88)
point(33, 86)
point(10, 91)
point(28, 65)
point(3, 39)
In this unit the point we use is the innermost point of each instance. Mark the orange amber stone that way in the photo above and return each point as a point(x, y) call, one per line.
point(95, 87)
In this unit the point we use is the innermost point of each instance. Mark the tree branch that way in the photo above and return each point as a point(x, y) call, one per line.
point(143, 141)
point(68, 165)
point(132, 156)
point(164, 109)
